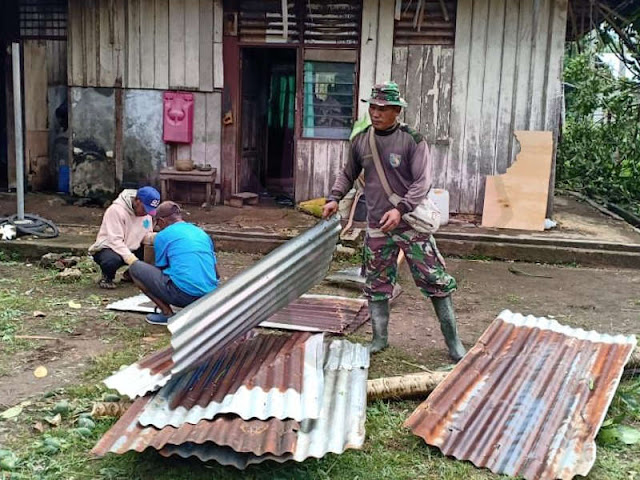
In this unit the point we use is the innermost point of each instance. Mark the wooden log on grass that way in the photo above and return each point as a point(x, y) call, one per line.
point(412, 385)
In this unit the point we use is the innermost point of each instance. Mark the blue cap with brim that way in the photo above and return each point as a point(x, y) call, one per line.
point(150, 198)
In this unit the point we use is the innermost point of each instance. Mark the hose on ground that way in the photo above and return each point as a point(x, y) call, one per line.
point(32, 225)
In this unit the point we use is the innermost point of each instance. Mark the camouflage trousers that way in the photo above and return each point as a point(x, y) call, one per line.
point(425, 262)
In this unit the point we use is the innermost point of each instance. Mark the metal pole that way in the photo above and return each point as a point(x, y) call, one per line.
point(17, 113)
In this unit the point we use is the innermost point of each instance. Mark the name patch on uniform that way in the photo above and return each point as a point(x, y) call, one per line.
point(395, 159)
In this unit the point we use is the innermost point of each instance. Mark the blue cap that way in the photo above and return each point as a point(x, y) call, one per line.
point(150, 198)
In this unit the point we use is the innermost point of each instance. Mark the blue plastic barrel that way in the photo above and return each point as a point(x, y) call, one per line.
point(63, 179)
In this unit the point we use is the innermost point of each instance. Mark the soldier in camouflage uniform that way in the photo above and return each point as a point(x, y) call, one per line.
point(404, 155)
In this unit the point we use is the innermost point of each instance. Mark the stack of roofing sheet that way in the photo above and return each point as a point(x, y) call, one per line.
point(278, 397)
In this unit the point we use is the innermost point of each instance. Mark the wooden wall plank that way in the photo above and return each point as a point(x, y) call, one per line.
point(428, 99)
point(56, 62)
point(490, 97)
point(367, 51)
point(525, 41)
point(399, 72)
point(106, 58)
point(147, 43)
point(438, 156)
point(199, 128)
point(218, 66)
point(539, 70)
point(91, 45)
point(76, 71)
point(218, 18)
point(35, 85)
point(214, 131)
point(161, 73)
point(133, 45)
point(206, 45)
point(384, 51)
point(556, 55)
point(459, 91)
point(119, 41)
point(445, 67)
point(504, 132)
point(471, 153)
point(414, 85)
point(192, 43)
point(176, 44)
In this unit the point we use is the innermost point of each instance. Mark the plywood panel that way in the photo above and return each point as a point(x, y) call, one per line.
point(161, 45)
point(518, 199)
point(147, 43)
point(176, 43)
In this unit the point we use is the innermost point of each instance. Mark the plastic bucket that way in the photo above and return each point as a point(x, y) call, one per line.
point(63, 179)
point(441, 198)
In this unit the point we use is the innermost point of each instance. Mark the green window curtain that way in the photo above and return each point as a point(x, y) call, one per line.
point(308, 112)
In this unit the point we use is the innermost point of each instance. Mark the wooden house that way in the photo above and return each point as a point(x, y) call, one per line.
point(276, 86)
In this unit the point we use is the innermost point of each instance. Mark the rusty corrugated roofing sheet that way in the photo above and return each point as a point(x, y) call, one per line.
point(339, 426)
point(270, 375)
point(321, 313)
point(252, 296)
point(260, 437)
point(309, 313)
point(527, 400)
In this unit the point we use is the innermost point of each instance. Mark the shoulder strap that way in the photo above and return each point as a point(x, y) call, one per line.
point(379, 169)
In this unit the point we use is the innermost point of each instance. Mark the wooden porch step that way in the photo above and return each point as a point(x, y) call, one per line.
point(239, 199)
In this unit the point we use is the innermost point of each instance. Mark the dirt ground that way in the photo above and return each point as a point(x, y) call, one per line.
point(605, 300)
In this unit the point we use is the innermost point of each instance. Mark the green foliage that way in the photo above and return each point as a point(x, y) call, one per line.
point(599, 152)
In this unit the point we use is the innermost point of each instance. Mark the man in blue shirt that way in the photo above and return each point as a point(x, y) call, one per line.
point(185, 264)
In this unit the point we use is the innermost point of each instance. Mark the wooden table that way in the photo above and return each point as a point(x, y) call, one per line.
point(208, 177)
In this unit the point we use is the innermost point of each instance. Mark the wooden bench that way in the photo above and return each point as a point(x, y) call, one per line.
point(208, 177)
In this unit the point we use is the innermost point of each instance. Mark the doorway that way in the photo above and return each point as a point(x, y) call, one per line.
point(268, 122)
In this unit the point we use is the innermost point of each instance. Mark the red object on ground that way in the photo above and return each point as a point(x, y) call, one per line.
point(178, 117)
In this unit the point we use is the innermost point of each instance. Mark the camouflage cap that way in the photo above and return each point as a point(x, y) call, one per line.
point(387, 93)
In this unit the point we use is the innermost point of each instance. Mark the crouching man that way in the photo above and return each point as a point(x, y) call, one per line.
point(126, 227)
point(185, 264)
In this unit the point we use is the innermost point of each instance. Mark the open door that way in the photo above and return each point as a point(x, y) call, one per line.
point(268, 118)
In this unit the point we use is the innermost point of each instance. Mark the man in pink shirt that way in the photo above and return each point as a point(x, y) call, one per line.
point(126, 226)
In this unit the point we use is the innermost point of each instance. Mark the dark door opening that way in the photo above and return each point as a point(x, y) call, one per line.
point(268, 120)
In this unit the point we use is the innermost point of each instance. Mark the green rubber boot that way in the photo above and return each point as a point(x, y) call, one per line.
point(379, 312)
point(447, 317)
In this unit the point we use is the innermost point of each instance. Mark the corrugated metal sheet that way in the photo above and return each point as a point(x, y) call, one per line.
point(309, 313)
point(268, 376)
point(321, 313)
point(252, 296)
point(260, 437)
point(232, 441)
point(527, 400)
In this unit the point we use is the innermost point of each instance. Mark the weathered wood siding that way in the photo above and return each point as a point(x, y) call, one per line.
point(506, 77)
point(424, 73)
point(318, 162)
point(504, 74)
point(156, 44)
